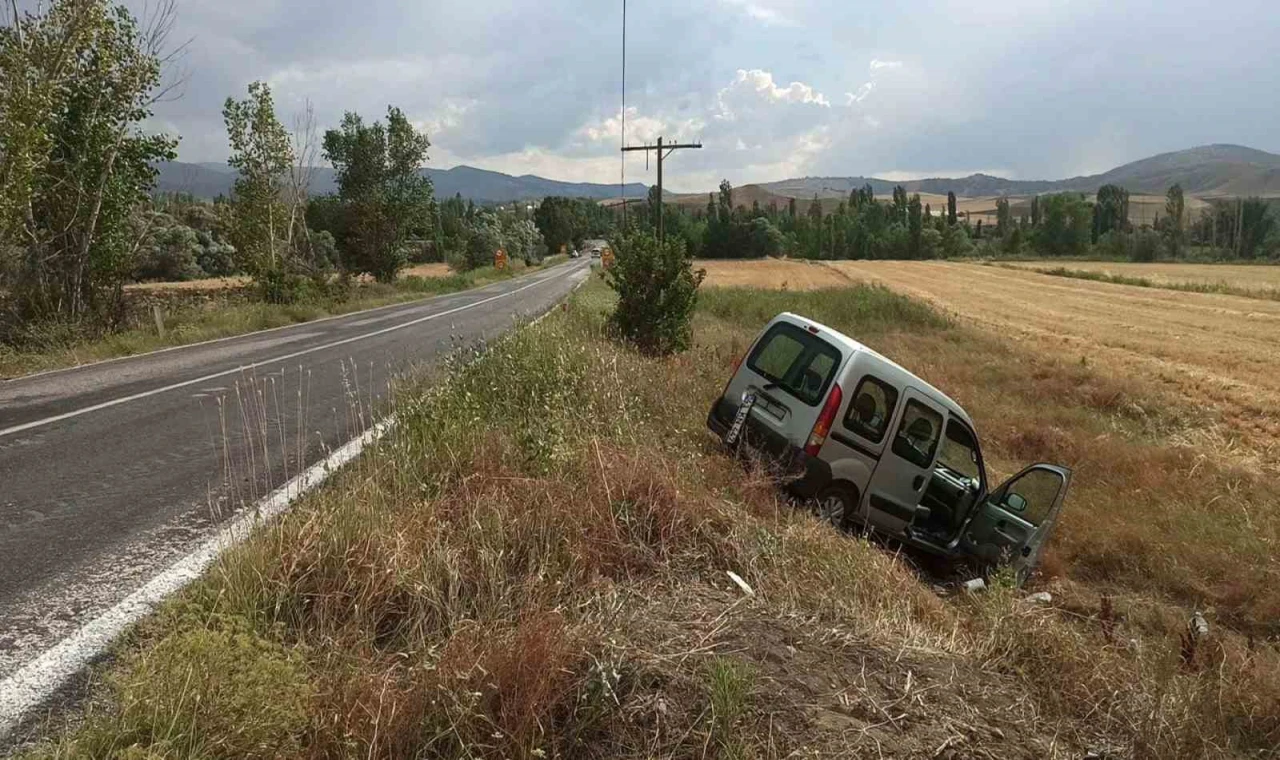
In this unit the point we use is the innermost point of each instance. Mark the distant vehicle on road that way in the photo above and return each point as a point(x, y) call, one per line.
point(896, 455)
point(575, 254)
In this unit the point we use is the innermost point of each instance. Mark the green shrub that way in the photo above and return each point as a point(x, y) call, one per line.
point(281, 287)
point(657, 291)
point(223, 692)
point(170, 255)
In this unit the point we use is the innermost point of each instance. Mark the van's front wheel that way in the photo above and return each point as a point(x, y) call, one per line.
point(835, 505)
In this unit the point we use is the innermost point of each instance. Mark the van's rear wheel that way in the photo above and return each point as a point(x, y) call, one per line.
point(835, 505)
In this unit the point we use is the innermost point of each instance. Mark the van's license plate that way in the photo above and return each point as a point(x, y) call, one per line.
point(740, 419)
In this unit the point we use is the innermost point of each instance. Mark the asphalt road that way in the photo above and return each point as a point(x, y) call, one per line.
point(110, 472)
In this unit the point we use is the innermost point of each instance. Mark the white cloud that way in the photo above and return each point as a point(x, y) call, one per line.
point(450, 116)
point(857, 97)
point(763, 13)
point(752, 87)
point(877, 64)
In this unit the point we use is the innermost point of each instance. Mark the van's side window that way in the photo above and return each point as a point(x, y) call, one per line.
point(872, 406)
point(796, 361)
point(918, 434)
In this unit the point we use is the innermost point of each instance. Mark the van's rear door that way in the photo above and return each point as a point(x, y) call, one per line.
point(789, 373)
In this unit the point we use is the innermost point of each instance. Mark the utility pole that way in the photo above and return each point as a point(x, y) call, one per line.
point(663, 151)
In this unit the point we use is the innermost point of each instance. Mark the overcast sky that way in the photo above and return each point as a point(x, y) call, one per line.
point(773, 88)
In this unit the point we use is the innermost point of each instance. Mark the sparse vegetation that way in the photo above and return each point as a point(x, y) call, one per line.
point(532, 564)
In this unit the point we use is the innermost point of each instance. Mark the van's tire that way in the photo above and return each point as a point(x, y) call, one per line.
point(836, 505)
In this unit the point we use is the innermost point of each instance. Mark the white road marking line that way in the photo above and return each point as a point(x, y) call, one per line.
point(241, 368)
point(34, 683)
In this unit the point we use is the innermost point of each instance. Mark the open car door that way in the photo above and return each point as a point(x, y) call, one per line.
point(1014, 522)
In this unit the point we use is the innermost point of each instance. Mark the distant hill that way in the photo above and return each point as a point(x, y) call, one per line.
point(742, 196)
point(1209, 170)
point(208, 180)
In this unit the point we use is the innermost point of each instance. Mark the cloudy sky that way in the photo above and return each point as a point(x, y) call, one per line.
point(773, 88)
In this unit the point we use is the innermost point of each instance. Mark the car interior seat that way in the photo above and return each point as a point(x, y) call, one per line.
point(811, 384)
point(920, 432)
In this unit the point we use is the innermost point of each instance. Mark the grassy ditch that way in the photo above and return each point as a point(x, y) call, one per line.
point(534, 563)
point(56, 346)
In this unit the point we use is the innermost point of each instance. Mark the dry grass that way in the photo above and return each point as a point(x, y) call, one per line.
point(533, 564)
point(1260, 279)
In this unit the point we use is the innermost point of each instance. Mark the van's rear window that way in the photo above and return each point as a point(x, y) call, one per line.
point(796, 361)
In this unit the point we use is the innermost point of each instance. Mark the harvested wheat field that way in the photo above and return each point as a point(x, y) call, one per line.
point(434, 269)
point(1218, 353)
point(777, 274)
point(1214, 350)
point(1259, 277)
point(207, 283)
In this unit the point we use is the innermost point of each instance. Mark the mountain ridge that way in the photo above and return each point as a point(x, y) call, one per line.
point(210, 179)
point(1218, 169)
point(1209, 170)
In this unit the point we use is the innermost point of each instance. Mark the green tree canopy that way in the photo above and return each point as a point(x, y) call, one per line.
point(1066, 225)
point(381, 185)
point(261, 153)
point(77, 79)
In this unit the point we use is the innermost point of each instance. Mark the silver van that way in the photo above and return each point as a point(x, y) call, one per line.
point(871, 444)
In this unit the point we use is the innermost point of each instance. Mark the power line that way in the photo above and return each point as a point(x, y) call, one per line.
point(622, 172)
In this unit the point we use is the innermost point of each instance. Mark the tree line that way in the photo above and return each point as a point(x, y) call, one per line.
point(863, 226)
point(79, 219)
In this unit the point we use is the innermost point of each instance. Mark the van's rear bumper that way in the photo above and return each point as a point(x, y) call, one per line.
point(802, 474)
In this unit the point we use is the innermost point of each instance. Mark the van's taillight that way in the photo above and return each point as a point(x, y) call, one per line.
point(825, 419)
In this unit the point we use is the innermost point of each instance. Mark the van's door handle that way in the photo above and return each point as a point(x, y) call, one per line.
point(919, 481)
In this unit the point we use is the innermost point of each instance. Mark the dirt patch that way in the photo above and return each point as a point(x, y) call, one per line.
point(817, 690)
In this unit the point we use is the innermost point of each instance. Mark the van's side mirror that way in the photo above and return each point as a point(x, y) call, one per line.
point(1015, 502)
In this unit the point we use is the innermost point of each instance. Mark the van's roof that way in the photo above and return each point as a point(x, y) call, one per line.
point(853, 346)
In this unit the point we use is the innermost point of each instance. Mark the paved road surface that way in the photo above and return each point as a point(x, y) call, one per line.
point(110, 472)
